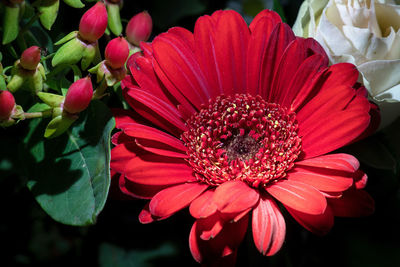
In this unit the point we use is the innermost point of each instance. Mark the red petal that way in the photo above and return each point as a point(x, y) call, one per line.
point(159, 148)
point(123, 116)
point(218, 248)
point(180, 66)
point(210, 227)
point(324, 103)
point(341, 74)
point(269, 14)
point(269, 228)
point(173, 199)
point(203, 206)
point(280, 38)
point(339, 161)
point(145, 216)
point(318, 224)
point(353, 203)
point(206, 53)
point(292, 59)
point(150, 133)
point(184, 35)
point(155, 110)
point(298, 196)
point(332, 132)
point(121, 155)
point(234, 197)
point(139, 190)
point(360, 179)
point(261, 31)
point(323, 181)
point(151, 169)
point(231, 51)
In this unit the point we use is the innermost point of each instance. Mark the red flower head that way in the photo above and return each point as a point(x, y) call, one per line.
point(236, 119)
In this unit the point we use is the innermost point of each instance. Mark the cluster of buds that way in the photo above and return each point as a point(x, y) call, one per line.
point(65, 109)
point(112, 69)
point(78, 46)
point(28, 72)
point(82, 44)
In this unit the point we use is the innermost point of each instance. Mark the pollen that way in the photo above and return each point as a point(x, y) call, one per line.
point(242, 137)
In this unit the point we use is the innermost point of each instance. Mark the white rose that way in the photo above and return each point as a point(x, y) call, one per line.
point(365, 33)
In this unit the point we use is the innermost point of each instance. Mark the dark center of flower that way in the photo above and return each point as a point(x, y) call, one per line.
point(242, 137)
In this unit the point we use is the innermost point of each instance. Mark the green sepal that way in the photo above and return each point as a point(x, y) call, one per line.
point(94, 69)
point(48, 12)
point(74, 3)
point(67, 37)
point(18, 113)
point(52, 100)
point(35, 82)
point(57, 112)
point(10, 23)
point(70, 53)
point(58, 126)
point(114, 18)
point(88, 56)
point(15, 83)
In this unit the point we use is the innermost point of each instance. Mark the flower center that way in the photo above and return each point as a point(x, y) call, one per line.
point(242, 137)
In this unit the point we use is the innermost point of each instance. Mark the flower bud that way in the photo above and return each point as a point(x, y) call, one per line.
point(139, 28)
point(30, 58)
point(78, 96)
point(117, 52)
point(7, 104)
point(93, 23)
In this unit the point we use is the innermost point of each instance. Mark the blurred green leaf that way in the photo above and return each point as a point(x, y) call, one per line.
point(168, 13)
point(110, 255)
point(114, 19)
point(372, 152)
point(277, 7)
point(253, 7)
point(49, 12)
point(69, 175)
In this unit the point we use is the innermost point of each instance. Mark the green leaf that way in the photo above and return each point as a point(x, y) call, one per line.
point(10, 24)
point(58, 126)
point(49, 12)
point(52, 100)
point(39, 107)
point(69, 175)
point(74, 3)
point(110, 255)
point(277, 7)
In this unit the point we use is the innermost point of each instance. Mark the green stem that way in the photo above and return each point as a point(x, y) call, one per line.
point(42, 114)
point(100, 91)
point(29, 24)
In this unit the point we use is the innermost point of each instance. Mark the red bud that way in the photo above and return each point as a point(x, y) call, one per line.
point(7, 104)
point(93, 23)
point(30, 58)
point(79, 95)
point(139, 28)
point(117, 52)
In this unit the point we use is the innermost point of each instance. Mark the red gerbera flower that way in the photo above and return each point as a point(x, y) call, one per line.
point(235, 119)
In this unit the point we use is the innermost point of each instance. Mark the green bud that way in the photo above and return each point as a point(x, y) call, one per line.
point(52, 100)
point(74, 3)
point(70, 53)
point(16, 82)
point(114, 18)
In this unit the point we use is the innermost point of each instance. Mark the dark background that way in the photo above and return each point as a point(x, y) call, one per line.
point(31, 238)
